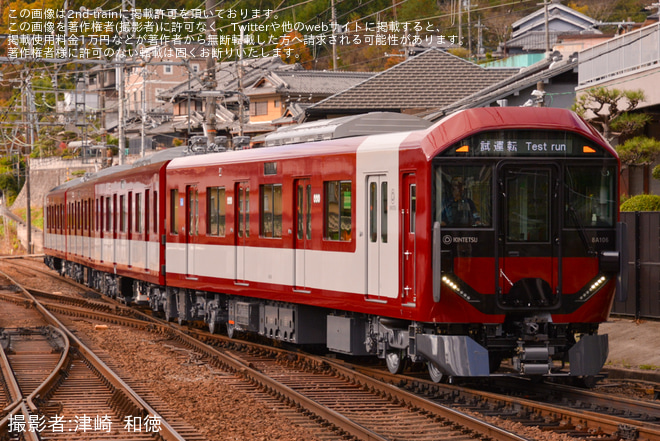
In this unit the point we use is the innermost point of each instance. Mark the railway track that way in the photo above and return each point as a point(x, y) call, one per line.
point(579, 413)
point(338, 403)
point(309, 380)
point(56, 387)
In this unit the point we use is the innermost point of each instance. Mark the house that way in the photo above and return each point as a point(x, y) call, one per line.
point(255, 96)
point(281, 96)
point(427, 82)
point(160, 68)
point(629, 61)
point(154, 70)
point(529, 33)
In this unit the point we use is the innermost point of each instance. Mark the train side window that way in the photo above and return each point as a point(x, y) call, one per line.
point(115, 211)
point(338, 210)
point(215, 212)
point(130, 227)
point(155, 212)
point(193, 210)
point(304, 211)
point(413, 208)
point(108, 214)
point(174, 211)
point(271, 210)
point(383, 212)
point(122, 215)
point(146, 211)
point(99, 214)
point(308, 228)
point(138, 212)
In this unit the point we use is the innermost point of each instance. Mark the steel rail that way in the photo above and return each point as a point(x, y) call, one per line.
point(291, 395)
point(167, 432)
point(233, 364)
point(463, 419)
point(333, 417)
point(18, 405)
point(589, 420)
point(10, 381)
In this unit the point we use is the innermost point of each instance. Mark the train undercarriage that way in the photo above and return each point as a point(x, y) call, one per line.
point(532, 343)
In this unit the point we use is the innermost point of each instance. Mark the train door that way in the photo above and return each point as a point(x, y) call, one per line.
point(192, 227)
point(144, 227)
point(377, 228)
point(242, 228)
point(408, 238)
point(303, 237)
point(529, 207)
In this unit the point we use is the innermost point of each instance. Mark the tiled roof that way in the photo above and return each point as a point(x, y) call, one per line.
point(318, 82)
point(305, 83)
point(226, 75)
point(433, 79)
point(541, 71)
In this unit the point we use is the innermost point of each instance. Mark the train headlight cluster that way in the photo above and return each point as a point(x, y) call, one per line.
point(593, 288)
point(456, 288)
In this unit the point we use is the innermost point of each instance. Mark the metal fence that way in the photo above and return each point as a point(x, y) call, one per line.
point(644, 266)
point(629, 52)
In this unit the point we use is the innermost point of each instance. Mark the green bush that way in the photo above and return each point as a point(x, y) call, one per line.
point(642, 202)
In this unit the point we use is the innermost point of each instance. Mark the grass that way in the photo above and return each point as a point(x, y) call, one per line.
point(36, 214)
point(649, 367)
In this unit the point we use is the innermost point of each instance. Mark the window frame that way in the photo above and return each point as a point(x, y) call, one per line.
point(339, 198)
point(270, 223)
point(218, 209)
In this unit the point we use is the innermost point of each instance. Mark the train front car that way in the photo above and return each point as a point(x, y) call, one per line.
point(525, 246)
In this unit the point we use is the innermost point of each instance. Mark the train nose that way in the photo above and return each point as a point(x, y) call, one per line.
point(530, 292)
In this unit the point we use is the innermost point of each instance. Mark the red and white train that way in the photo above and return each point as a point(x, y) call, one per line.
point(491, 235)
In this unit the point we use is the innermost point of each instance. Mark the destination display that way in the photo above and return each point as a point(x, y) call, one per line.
point(525, 143)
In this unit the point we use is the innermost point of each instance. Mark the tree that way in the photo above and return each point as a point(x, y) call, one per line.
point(640, 151)
point(609, 110)
point(292, 48)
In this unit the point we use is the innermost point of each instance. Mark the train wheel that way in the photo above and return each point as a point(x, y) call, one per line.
point(170, 307)
point(231, 330)
point(587, 382)
point(213, 323)
point(435, 373)
point(395, 361)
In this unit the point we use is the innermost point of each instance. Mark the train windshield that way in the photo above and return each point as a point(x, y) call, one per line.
point(464, 196)
point(590, 196)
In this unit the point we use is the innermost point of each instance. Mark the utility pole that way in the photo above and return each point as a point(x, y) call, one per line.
point(121, 61)
point(210, 72)
point(480, 38)
point(143, 137)
point(334, 34)
point(547, 25)
point(31, 109)
point(460, 21)
point(469, 30)
point(120, 102)
point(241, 109)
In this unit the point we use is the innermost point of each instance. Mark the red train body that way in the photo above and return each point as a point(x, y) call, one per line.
point(492, 235)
